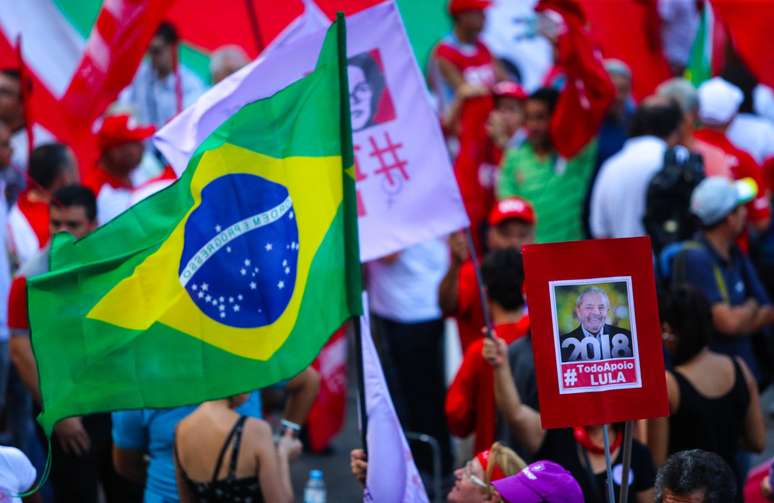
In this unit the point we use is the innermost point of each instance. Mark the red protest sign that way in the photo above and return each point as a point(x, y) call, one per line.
point(595, 332)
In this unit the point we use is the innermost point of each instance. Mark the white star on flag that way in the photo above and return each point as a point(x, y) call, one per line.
point(281, 285)
point(252, 285)
point(268, 247)
point(205, 286)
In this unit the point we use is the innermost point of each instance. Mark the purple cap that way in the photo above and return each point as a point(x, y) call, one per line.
point(542, 481)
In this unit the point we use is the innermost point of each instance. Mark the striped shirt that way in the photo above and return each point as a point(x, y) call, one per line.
point(556, 188)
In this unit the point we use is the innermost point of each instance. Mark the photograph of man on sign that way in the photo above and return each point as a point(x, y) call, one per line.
point(595, 334)
point(591, 309)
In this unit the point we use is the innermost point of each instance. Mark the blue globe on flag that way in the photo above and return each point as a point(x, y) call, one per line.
point(240, 253)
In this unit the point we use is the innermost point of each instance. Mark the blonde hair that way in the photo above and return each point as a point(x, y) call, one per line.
point(504, 457)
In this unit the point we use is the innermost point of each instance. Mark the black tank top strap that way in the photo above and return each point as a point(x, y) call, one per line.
point(223, 449)
point(238, 427)
point(740, 384)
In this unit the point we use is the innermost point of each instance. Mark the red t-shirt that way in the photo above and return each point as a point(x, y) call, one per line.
point(476, 65)
point(470, 403)
point(742, 165)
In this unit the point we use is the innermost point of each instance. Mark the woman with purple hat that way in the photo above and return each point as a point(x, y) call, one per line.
point(474, 482)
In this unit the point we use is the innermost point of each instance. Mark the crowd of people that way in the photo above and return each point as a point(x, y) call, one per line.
point(691, 166)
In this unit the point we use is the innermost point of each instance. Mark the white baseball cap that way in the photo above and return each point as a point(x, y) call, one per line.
point(719, 101)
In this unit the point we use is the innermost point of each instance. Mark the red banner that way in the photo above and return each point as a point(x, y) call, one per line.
point(595, 332)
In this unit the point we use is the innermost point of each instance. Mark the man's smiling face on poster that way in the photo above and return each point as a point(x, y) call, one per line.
point(591, 310)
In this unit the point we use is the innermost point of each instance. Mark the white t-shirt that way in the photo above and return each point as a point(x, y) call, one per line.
point(406, 290)
point(618, 197)
point(16, 474)
point(154, 100)
point(754, 135)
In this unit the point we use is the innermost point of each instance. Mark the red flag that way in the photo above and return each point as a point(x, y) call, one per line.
point(749, 26)
point(635, 41)
point(327, 415)
point(113, 53)
point(588, 92)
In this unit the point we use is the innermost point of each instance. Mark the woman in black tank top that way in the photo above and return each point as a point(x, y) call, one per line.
point(713, 398)
point(221, 456)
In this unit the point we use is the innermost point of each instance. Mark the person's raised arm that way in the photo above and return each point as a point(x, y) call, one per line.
point(754, 435)
point(448, 290)
point(523, 420)
point(273, 463)
point(302, 391)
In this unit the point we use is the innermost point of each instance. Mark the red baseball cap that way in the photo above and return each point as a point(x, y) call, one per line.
point(457, 6)
point(121, 128)
point(512, 208)
point(508, 89)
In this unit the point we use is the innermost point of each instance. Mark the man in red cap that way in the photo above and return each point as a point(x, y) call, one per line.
point(461, 57)
point(511, 225)
point(121, 150)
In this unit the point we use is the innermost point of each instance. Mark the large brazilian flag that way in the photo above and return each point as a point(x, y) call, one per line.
point(231, 279)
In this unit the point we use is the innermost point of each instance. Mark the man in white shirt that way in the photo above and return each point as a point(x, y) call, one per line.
point(618, 196)
point(162, 88)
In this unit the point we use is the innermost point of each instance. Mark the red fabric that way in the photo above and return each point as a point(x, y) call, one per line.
point(37, 214)
point(477, 155)
point(470, 404)
point(588, 91)
point(329, 409)
point(752, 486)
point(742, 165)
point(749, 26)
point(99, 177)
point(113, 53)
point(17, 304)
point(469, 314)
point(272, 18)
point(635, 41)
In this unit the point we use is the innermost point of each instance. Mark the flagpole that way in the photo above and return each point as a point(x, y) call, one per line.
point(608, 464)
point(627, 461)
point(361, 397)
point(252, 16)
point(480, 282)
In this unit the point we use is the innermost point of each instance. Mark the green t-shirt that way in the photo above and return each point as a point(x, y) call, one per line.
point(555, 187)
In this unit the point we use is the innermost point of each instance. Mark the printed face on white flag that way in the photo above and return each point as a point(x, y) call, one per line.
point(406, 189)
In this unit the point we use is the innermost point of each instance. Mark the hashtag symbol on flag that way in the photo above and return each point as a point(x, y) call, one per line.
point(570, 377)
point(381, 154)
